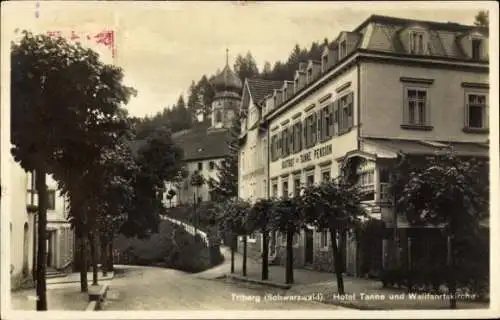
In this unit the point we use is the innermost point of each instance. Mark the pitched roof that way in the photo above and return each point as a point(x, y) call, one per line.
point(227, 79)
point(259, 88)
point(202, 143)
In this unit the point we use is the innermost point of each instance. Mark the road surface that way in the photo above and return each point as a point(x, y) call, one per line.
point(160, 289)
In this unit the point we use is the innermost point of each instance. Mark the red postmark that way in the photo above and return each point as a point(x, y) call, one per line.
point(105, 37)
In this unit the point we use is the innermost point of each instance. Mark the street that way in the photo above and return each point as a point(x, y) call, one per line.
point(155, 289)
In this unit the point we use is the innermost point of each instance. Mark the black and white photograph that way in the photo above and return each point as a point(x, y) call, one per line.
point(249, 159)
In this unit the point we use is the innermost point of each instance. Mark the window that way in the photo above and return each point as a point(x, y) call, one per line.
point(284, 94)
point(366, 184)
point(309, 74)
point(384, 178)
point(285, 189)
point(323, 242)
point(476, 49)
point(325, 175)
point(416, 107)
point(296, 85)
point(325, 129)
point(285, 142)
point(417, 42)
point(345, 113)
point(296, 186)
point(252, 237)
point(310, 179)
point(211, 165)
point(342, 49)
point(274, 141)
point(200, 166)
point(283, 238)
point(297, 137)
point(310, 130)
point(275, 190)
point(218, 116)
point(51, 201)
point(476, 111)
point(325, 62)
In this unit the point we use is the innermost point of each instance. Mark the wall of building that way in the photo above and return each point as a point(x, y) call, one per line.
point(382, 100)
point(59, 230)
point(253, 160)
point(21, 225)
point(339, 145)
point(186, 191)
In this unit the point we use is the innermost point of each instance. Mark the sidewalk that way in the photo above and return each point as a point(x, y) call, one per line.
point(63, 293)
point(360, 293)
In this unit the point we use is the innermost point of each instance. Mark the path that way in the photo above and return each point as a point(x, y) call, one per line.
point(155, 289)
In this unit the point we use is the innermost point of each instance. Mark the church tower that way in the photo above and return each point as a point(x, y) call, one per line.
point(227, 86)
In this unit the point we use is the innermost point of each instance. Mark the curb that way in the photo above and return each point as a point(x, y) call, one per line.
point(261, 282)
point(97, 298)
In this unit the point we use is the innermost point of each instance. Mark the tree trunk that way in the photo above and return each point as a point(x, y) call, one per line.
point(265, 255)
point(41, 286)
point(233, 244)
point(244, 267)
point(289, 257)
point(93, 256)
point(110, 255)
point(84, 286)
point(104, 257)
point(337, 261)
point(451, 273)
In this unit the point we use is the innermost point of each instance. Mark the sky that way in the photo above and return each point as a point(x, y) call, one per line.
point(163, 46)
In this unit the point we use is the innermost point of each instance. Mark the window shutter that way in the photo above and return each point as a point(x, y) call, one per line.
point(291, 138)
point(335, 121)
point(331, 124)
point(305, 128)
point(319, 123)
point(314, 130)
point(350, 106)
point(299, 136)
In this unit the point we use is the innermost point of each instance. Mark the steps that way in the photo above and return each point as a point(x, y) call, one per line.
point(54, 273)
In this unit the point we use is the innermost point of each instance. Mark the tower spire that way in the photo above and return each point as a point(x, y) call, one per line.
point(227, 56)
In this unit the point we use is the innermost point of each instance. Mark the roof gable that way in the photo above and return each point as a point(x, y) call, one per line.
point(260, 88)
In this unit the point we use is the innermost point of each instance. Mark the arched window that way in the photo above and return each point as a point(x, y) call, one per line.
point(25, 249)
point(218, 116)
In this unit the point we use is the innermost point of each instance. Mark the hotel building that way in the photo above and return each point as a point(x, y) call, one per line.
point(390, 87)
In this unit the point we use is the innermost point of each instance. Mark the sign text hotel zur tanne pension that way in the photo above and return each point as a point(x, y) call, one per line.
point(307, 156)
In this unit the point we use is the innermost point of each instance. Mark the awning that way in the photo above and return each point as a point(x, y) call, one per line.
point(390, 148)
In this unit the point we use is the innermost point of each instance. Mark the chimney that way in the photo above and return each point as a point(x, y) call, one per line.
point(302, 66)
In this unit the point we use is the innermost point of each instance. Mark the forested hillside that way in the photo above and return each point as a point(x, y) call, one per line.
point(182, 115)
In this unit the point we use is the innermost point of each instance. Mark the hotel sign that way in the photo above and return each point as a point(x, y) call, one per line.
point(307, 156)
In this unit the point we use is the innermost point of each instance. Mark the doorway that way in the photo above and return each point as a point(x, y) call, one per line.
point(308, 247)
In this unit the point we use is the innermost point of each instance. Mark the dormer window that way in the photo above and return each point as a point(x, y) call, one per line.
point(284, 94)
point(417, 42)
point(296, 85)
point(325, 61)
point(309, 74)
point(476, 49)
point(342, 49)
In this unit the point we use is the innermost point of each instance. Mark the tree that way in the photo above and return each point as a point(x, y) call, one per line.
point(226, 184)
point(266, 71)
point(451, 192)
point(197, 180)
point(158, 160)
point(170, 195)
point(245, 67)
point(259, 219)
point(482, 19)
point(288, 219)
point(334, 205)
point(69, 101)
point(232, 218)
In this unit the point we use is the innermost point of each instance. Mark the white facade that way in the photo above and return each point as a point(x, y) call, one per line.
point(21, 225)
point(185, 192)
